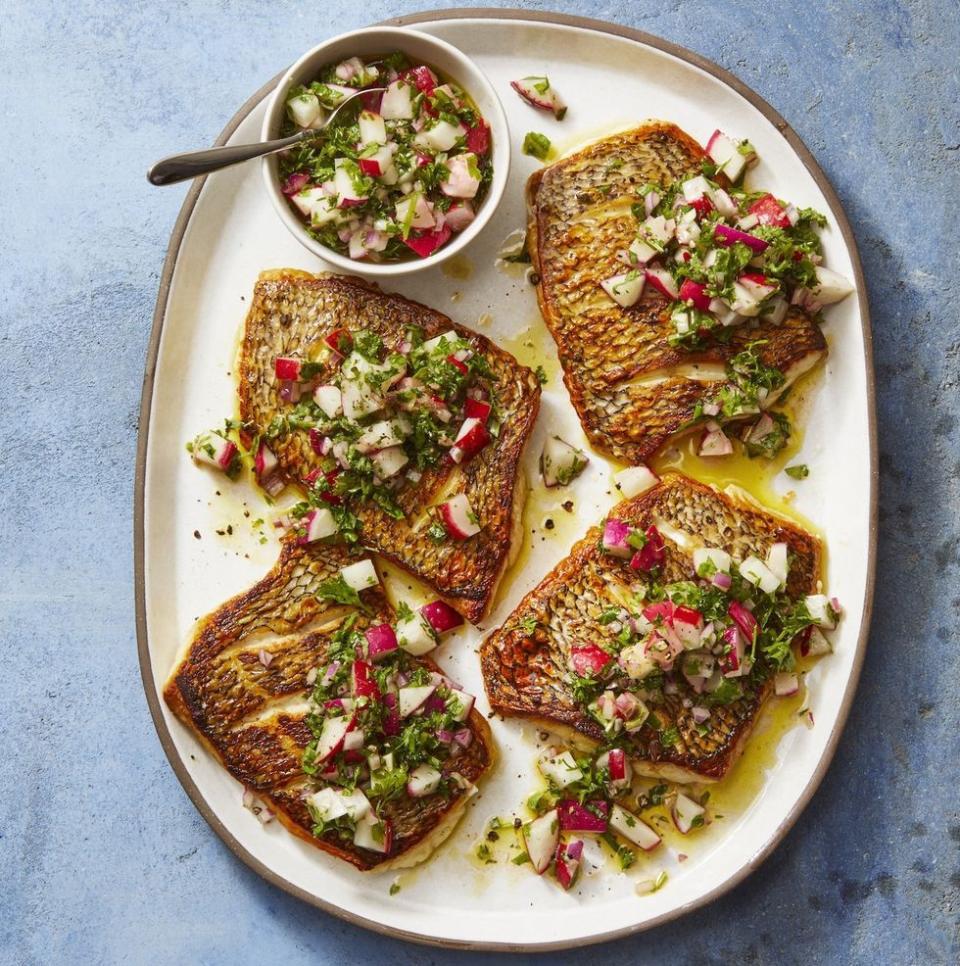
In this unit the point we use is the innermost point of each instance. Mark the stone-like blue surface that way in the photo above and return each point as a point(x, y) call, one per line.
point(102, 856)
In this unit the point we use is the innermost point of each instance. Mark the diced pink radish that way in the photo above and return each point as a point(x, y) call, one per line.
point(373, 834)
point(568, 862)
point(348, 69)
point(372, 128)
point(459, 216)
point(617, 765)
point(588, 659)
point(687, 623)
point(633, 829)
point(339, 342)
point(265, 463)
point(364, 684)
point(214, 450)
point(381, 641)
point(616, 535)
point(478, 409)
point(635, 480)
point(422, 78)
point(537, 92)
point(415, 635)
point(541, 837)
point(662, 281)
point(473, 436)
point(458, 517)
point(714, 442)
point(694, 294)
point(478, 138)
point(731, 661)
point(687, 813)
point(332, 733)
point(626, 705)
point(317, 524)
point(463, 180)
point(727, 236)
point(759, 286)
point(786, 683)
point(396, 104)
point(295, 183)
point(726, 155)
point(744, 619)
point(347, 194)
point(426, 243)
point(624, 289)
point(423, 780)
point(652, 554)
point(577, 817)
point(287, 368)
point(370, 166)
point(441, 617)
point(769, 211)
point(412, 698)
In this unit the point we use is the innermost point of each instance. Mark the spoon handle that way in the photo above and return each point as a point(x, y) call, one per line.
point(191, 164)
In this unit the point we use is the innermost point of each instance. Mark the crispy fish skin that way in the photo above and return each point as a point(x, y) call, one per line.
point(290, 314)
point(579, 218)
point(252, 717)
point(524, 673)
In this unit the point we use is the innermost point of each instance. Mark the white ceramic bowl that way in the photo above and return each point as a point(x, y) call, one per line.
point(419, 47)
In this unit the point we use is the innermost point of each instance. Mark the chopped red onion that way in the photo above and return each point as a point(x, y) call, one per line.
point(722, 580)
point(700, 714)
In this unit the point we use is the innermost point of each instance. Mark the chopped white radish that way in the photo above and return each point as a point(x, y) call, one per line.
point(265, 463)
point(696, 187)
point(329, 804)
point(329, 399)
point(377, 436)
point(388, 462)
point(459, 216)
point(473, 436)
point(560, 463)
point(445, 342)
point(818, 644)
point(635, 660)
point(775, 310)
point(360, 575)
point(442, 136)
point(458, 517)
point(624, 289)
point(639, 252)
point(370, 833)
point(616, 538)
point(635, 480)
point(305, 110)
point(422, 781)
point(778, 562)
point(373, 130)
point(537, 92)
point(541, 837)
point(662, 281)
point(396, 103)
point(831, 287)
point(359, 398)
point(687, 625)
point(414, 211)
point(820, 611)
point(715, 442)
point(561, 769)
point(687, 814)
point(786, 683)
point(617, 764)
point(441, 617)
point(332, 732)
point(719, 559)
point(758, 573)
point(411, 699)
point(723, 202)
point(633, 829)
point(344, 180)
point(727, 155)
point(318, 524)
point(464, 704)
point(745, 302)
point(214, 450)
point(463, 179)
point(657, 230)
point(415, 635)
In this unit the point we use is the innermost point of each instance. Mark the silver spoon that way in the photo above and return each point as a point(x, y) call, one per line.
point(182, 167)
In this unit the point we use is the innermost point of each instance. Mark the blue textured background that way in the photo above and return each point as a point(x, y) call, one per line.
point(103, 859)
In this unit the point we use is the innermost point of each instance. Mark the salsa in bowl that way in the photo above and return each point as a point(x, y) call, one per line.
point(408, 172)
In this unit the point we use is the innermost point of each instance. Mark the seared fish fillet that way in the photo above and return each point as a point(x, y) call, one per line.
point(293, 311)
point(252, 716)
point(623, 376)
point(525, 673)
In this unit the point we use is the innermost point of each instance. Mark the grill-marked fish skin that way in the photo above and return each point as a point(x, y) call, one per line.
point(524, 673)
point(291, 312)
point(618, 365)
point(251, 716)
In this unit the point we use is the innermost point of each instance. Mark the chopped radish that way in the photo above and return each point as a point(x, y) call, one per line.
point(381, 641)
point(821, 612)
point(744, 619)
point(816, 644)
point(758, 574)
point(370, 833)
point(305, 110)
point(442, 136)
point(463, 179)
point(636, 662)
point(727, 236)
point(588, 659)
point(537, 92)
point(458, 517)
point(719, 559)
point(411, 699)
point(785, 684)
point(380, 435)
point(653, 552)
point(364, 683)
point(561, 770)
point(769, 211)
point(329, 804)
point(541, 837)
point(715, 442)
point(616, 535)
point(329, 399)
point(478, 409)
point(415, 635)
point(459, 216)
point(618, 767)
point(639, 252)
point(344, 181)
point(687, 624)
point(317, 524)
point(831, 287)
point(478, 139)
point(339, 342)
point(473, 436)
point(560, 463)
point(465, 704)
point(388, 462)
point(731, 661)
point(727, 156)
point(687, 813)
point(635, 480)
point(286, 368)
point(633, 829)
point(422, 78)
point(588, 817)
point(372, 128)
point(332, 732)
point(360, 575)
point(441, 617)
point(662, 281)
point(624, 289)
point(569, 856)
point(414, 211)
point(265, 463)
point(423, 780)
point(695, 188)
point(426, 243)
point(396, 104)
point(778, 561)
point(694, 294)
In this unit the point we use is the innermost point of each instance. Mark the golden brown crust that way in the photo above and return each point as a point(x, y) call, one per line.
point(251, 716)
point(292, 312)
point(525, 673)
point(579, 218)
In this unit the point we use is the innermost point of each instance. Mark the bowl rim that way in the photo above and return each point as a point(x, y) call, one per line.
point(501, 155)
